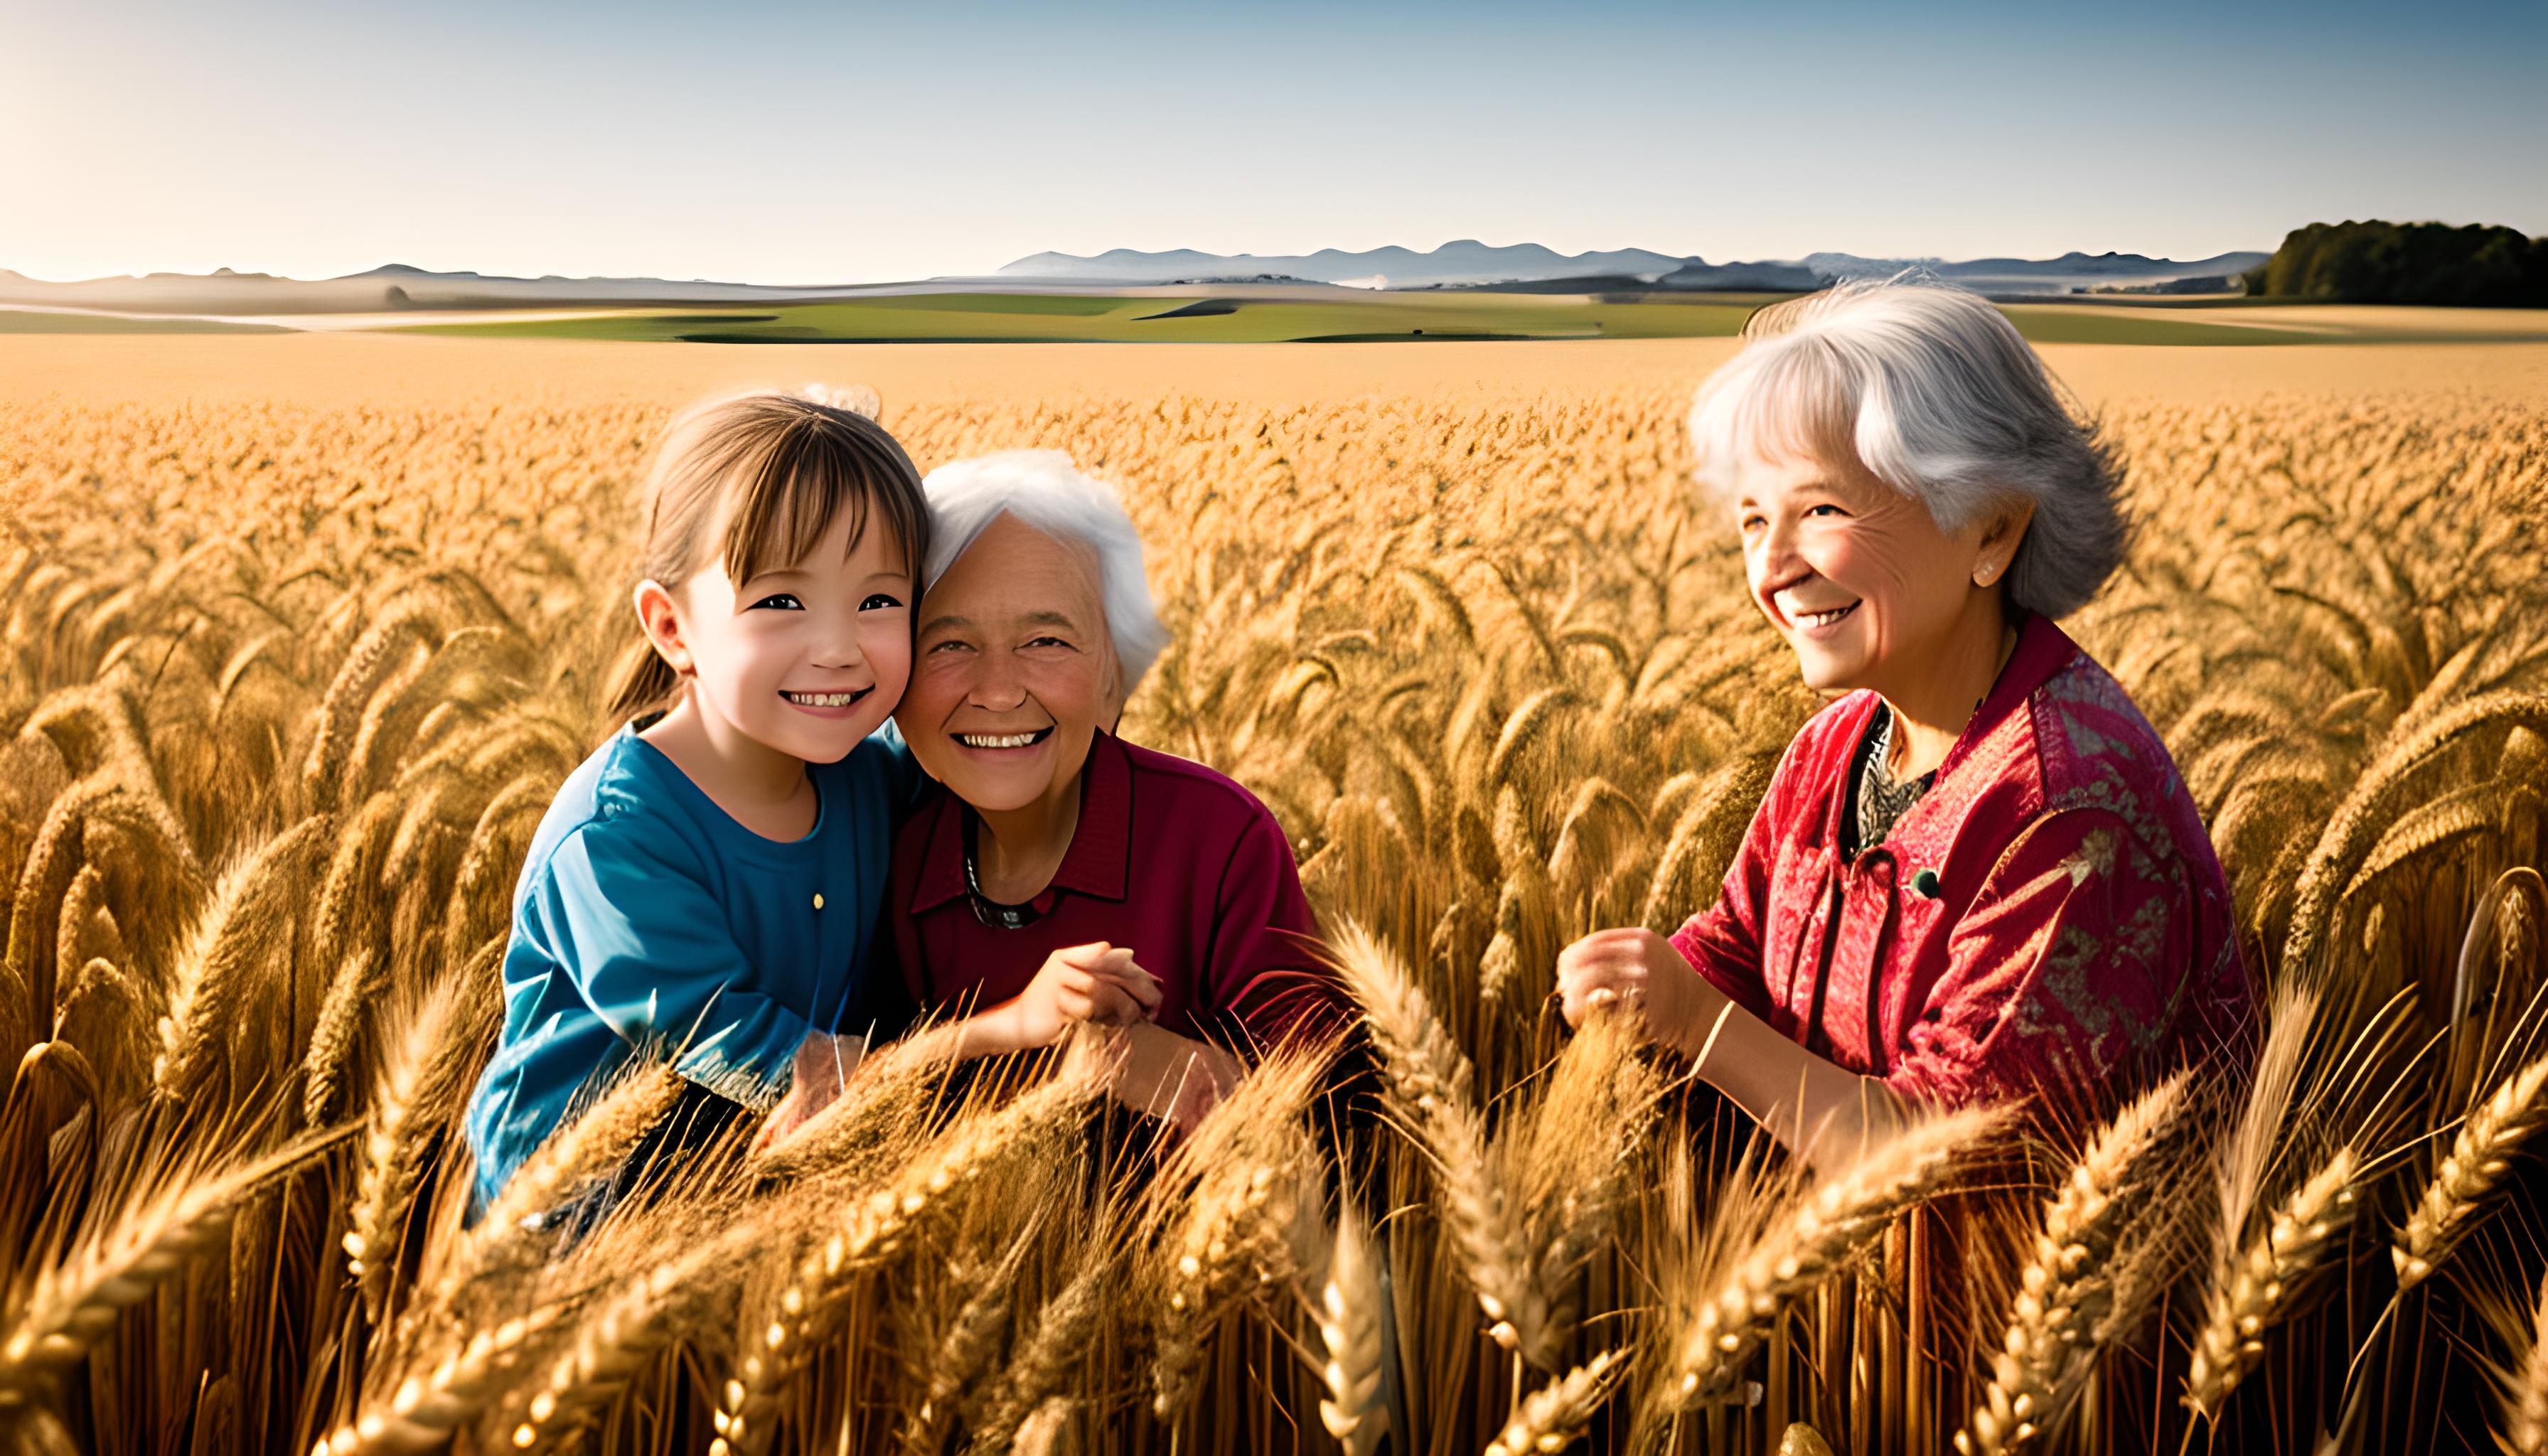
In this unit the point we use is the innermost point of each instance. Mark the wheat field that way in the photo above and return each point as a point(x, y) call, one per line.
point(290, 677)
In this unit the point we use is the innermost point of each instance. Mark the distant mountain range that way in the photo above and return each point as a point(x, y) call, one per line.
point(1463, 264)
point(1469, 263)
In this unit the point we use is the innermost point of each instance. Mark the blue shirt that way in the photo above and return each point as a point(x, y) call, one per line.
point(647, 918)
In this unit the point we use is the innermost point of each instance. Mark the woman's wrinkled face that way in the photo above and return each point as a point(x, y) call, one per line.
point(1015, 670)
point(806, 659)
point(1854, 574)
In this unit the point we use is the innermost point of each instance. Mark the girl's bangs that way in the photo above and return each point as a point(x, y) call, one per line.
point(789, 496)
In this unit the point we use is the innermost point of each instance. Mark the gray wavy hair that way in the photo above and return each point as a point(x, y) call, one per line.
point(1044, 490)
point(1937, 394)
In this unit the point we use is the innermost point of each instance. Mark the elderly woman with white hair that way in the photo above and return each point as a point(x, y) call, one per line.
point(1977, 874)
point(1057, 875)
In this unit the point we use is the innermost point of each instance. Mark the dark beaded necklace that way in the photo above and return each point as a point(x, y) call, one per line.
point(988, 911)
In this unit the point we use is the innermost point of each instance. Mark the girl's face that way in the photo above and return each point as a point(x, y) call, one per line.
point(1016, 669)
point(1853, 573)
point(806, 659)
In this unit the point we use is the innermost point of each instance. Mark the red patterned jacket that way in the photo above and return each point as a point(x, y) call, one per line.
point(2048, 918)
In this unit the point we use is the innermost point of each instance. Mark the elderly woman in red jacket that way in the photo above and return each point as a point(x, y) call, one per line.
point(1976, 875)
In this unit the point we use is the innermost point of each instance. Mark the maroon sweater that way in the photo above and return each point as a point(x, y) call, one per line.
point(1169, 859)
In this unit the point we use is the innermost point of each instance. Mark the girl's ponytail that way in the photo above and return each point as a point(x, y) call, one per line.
point(640, 680)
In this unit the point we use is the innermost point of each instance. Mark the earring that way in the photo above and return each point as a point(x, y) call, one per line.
point(1983, 576)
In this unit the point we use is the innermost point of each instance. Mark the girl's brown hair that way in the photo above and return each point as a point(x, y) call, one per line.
point(776, 470)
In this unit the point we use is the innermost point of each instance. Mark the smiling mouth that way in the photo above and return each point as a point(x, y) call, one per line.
point(825, 699)
point(1822, 618)
point(1003, 740)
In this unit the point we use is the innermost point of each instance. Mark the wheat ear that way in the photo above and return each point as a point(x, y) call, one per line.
point(1550, 1419)
point(1046, 1433)
point(426, 1409)
point(331, 1041)
point(972, 1339)
point(2263, 1285)
point(233, 934)
point(2479, 1158)
point(1229, 1207)
point(2526, 1386)
point(1429, 1083)
point(1348, 1320)
point(625, 1330)
point(418, 1079)
point(870, 1231)
point(1044, 1360)
point(1823, 1229)
point(2066, 1299)
point(586, 1146)
point(68, 1306)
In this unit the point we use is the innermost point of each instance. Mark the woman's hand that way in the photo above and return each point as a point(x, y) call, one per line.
point(1640, 970)
point(816, 1078)
point(1177, 1079)
point(1096, 983)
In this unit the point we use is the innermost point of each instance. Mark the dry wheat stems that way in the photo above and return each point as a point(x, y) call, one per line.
point(2066, 1304)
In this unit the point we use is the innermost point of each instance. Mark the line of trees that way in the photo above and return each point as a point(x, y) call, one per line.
point(2374, 262)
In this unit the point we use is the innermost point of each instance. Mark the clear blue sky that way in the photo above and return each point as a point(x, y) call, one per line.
point(824, 143)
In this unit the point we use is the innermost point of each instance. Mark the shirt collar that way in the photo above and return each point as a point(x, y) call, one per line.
point(1099, 860)
point(2042, 649)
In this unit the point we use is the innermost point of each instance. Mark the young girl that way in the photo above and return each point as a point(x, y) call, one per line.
point(706, 885)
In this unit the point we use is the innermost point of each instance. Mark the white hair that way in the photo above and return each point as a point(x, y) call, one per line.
point(1936, 392)
point(1044, 490)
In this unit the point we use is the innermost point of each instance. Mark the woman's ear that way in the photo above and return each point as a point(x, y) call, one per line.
point(1998, 545)
point(1111, 697)
point(661, 617)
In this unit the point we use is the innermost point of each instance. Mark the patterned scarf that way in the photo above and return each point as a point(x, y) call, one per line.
point(1881, 799)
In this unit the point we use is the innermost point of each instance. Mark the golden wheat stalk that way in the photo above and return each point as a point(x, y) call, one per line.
point(2524, 1384)
point(1227, 1213)
point(1822, 1230)
point(971, 1341)
point(874, 1229)
point(69, 1305)
point(586, 1148)
point(331, 1041)
point(420, 1075)
point(616, 1335)
point(1046, 1355)
point(1348, 1317)
point(2067, 1308)
point(2264, 1286)
point(237, 929)
point(2458, 1195)
point(1550, 1419)
point(1428, 1086)
point(424, 1411)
